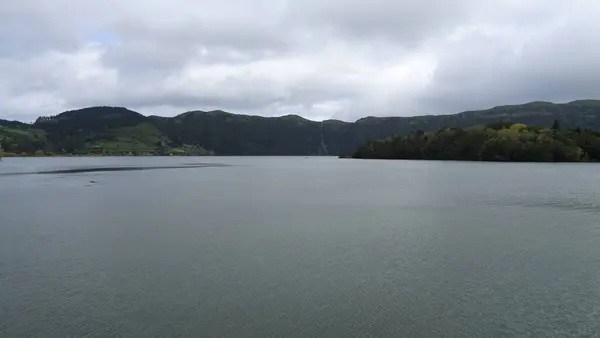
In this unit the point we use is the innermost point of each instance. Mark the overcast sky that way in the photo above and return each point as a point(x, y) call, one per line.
point(317, 58)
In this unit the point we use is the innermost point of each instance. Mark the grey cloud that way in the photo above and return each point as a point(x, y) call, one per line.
point(560, 64)
point(331, 58)
point(405, 22)
point(28, 27)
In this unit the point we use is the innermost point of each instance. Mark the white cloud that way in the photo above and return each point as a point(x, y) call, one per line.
point(320, 59)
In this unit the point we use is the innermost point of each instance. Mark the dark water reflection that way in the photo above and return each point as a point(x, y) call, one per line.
point(108, 169)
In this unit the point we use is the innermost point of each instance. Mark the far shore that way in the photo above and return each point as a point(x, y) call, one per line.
point(92, 155)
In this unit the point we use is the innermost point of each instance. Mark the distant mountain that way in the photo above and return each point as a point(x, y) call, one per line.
point(119, 131)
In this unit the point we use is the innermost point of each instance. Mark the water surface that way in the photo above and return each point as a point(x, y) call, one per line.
point(297, 247)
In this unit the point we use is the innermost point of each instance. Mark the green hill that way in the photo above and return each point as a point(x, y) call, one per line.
point(18, 138)
point(109, 131)
point(120, 131)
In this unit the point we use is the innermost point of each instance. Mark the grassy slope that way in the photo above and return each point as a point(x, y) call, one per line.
point(143, 137)
point(21, 139)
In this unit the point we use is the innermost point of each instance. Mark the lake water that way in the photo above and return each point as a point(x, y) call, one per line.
point(298, 247)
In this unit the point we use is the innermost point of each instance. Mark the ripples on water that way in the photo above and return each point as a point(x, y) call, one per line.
point(566, 203)
point(294, 247)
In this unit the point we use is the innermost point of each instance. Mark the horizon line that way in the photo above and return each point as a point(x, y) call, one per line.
point(302, 117)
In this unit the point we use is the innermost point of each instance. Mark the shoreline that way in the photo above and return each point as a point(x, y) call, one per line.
point(93, 155)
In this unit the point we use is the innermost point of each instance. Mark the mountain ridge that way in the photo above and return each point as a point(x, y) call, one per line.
point(108, 130)
point(579, 101)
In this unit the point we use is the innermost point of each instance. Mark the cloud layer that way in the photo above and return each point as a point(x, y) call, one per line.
point(317, 58)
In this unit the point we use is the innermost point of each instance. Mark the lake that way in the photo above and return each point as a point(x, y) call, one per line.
point(297, 247)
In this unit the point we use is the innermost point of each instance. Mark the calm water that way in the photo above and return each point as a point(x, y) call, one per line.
point(295, 247)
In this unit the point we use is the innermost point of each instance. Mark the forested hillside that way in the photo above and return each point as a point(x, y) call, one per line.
point(120, 131)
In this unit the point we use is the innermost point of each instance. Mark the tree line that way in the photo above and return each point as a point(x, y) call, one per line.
point(513, 142)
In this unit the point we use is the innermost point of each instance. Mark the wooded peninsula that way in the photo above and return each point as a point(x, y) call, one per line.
point(498, 142)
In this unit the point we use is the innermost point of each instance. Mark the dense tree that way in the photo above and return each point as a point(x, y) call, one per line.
point(516, 142)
